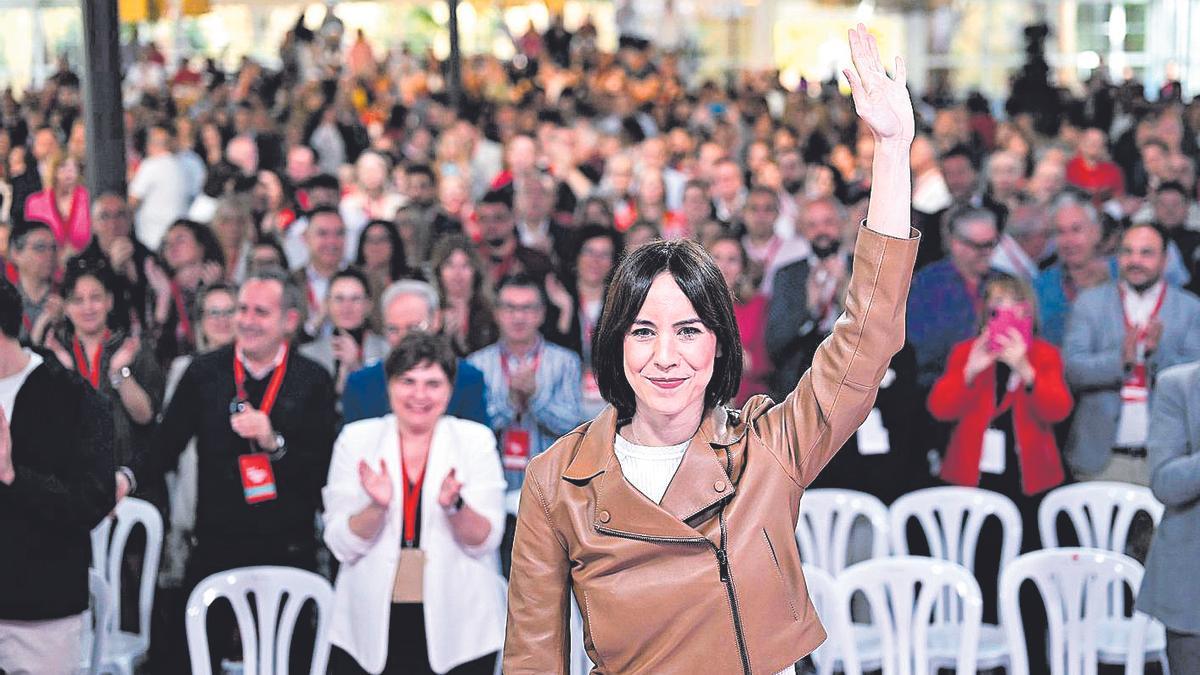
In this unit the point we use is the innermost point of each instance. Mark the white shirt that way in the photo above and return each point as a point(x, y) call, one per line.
point(1139, 306)
point(161, 185)
point(648, 468)
point(1133, 425)
point(930, 193)
point(9, 386)
point(1011, 258)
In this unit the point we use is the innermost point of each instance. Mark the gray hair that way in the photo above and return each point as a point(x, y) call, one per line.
point(1073, 200)
point(410, 287)
point(843, 214)
point(1026, 220)
point(293, 297)
point(972, 215)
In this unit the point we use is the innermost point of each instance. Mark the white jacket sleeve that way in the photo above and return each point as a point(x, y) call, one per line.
point(344, 496)
point(484, 485)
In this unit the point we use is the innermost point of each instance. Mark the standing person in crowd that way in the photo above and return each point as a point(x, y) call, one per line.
point(468, 319)
point(1091, 171)
point(1024, 244)
point(533, 386)
point(1114, 371)
point(193, 259)
point(264, 422)
point(411, 305)
point(1082, 264)
point(502, 251)
point(1172, 444)
point(325, 238)
point(944, 306)
point(750, 312)
point(63, 205)
point(56, 484)
point(32, 248)
point(760, 241)
point(159, 190)
point(590, 264)
point(669, 360)
point(233, 227)
point(430, 485)
point(113, 244)
point(116, 363)
point(352, 344)
point(216, 306)
point(381, 258)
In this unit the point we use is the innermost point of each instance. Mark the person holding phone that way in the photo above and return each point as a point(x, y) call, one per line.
point(414, 511)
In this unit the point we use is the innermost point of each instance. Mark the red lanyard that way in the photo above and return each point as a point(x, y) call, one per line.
point(81, 364)
point(183, 330)
point(268, 400)
point(1141, 332)
point(412, 497)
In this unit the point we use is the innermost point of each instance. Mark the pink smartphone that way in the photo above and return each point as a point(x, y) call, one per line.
point(1005, 319)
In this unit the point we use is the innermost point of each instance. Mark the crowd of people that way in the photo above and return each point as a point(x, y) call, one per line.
point(325, 284)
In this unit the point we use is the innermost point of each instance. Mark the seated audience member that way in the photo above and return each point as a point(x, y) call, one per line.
point(429, 485)
point(1172, 444)
point(352, 344)
point(1119, 337)
point(410, 305)
point(56, 484)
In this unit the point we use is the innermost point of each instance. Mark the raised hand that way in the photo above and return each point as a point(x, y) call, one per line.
point(125, 354)
point(451, 487)
point(881, 101)
point(377, 484)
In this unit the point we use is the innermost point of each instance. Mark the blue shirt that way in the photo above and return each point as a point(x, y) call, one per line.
point(941, 313)
point(366, 395)
point(1053, 305)
point(556, 406)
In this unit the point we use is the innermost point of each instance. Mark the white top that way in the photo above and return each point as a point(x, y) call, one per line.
point(162, 186)
point(9, 386)
point(649, 468)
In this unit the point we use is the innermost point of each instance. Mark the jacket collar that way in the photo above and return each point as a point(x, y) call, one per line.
point(700, 482)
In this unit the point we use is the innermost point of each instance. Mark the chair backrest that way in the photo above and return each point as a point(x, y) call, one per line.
point(101, 616)
point(1100, 511)
point(826, 517)
point(822, 590)
point(279, 595)
point(903, 594)
point(1074, 584)
point(109, 540)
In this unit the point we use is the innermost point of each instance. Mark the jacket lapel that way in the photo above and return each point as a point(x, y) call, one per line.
point(620, 508)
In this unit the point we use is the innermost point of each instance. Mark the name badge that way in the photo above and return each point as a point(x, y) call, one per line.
point(258, 478)
point(992, 460)
point(516, 449)
point(1134, 389)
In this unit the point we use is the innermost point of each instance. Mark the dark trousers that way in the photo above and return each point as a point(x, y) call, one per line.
point(408, 652)
point(220, 555)
point(1183, 652)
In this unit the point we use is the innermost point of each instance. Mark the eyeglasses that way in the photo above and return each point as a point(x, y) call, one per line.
point(347, 299)
point(111, 215)
point(398, 331)
point(220, 313)
point(980, 246)
point(519, 309)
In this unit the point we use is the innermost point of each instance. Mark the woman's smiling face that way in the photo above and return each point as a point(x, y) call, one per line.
point(668, 351)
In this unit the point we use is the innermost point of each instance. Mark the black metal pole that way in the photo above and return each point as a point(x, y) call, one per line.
point(103, 112)
point(455, 59)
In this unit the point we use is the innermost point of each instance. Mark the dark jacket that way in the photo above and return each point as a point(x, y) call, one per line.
point(303, 413)
point(62, 450)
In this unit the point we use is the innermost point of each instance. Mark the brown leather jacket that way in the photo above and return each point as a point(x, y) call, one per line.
point(708, 581)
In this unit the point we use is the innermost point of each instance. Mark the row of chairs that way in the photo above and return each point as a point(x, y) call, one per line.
point(910, 634)
point(951, 519)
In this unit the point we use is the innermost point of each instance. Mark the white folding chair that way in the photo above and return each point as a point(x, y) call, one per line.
point(1075, 585)
point(822, 590)
point(905, 595)
point(827, 516)
point(95, 636)
point(266, 630)
point(951, 519)
point(109, 540)
point(1100, 513)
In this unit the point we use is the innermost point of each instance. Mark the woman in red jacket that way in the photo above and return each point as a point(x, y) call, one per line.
point(1004, 390)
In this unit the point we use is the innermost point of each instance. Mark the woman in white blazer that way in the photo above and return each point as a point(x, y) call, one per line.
point(414, 511)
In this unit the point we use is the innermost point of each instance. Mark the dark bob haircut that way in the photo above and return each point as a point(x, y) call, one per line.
point(419, 348)
point(700, 280)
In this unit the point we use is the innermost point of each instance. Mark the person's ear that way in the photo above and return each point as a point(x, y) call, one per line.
point(291, 321)
point(435, 324)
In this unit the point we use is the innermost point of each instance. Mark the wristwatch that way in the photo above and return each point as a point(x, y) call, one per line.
point(456, 506)
point(115, 379)
point(280, 447)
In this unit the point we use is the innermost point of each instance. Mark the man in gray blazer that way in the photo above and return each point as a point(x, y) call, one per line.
point(1119, 337)
point(1174, 447)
